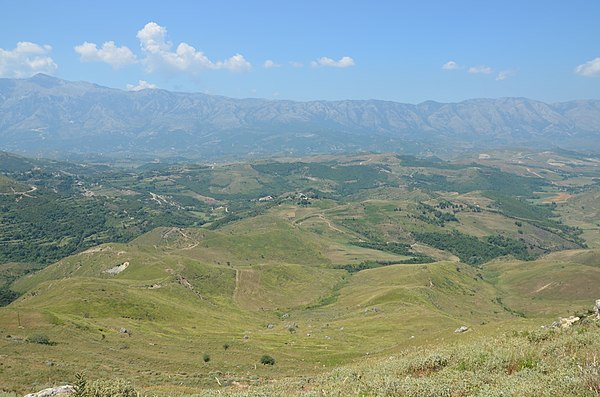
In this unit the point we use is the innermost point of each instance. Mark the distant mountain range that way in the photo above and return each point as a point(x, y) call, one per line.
point(48, 116)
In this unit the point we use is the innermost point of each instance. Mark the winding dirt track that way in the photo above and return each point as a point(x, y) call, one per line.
point(15, 193)
point(320, 216)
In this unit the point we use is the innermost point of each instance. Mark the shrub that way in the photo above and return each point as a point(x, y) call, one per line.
point(206, 357)
point(111, 388)
point(39, 339)
point(267, 360)
point(103, 388)
point(79, 386)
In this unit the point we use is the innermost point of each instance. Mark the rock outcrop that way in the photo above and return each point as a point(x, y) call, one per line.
point(59, 391)
point(565, 322)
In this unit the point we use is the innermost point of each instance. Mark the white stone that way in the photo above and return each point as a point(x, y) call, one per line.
point(64, 390)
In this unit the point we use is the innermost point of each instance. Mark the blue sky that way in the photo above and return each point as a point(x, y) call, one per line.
point(403, 51)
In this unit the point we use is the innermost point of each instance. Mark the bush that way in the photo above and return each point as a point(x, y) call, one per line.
point(79, 386)
point(111, 388)
point(39, 339)
point(7, 296)
point(267, 360)
point(206, 357)
point(103, 388)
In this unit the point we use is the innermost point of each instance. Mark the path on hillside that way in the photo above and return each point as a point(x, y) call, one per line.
point(193, 243)
point(15, 193)
point(320, 216)
point(247, 285)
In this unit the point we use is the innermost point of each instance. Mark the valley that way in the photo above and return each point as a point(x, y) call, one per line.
point(340, 268)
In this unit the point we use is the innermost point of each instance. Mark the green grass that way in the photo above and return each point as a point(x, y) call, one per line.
point(529, 364)
point(560, 282)
point(180, 304)
point(279, 278)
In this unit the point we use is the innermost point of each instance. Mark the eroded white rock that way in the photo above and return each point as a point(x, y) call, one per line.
point(58, 391)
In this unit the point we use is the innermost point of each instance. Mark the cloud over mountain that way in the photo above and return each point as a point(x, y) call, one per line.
point(26, 60)
point(141, 85)
point(109, 53)
point(159, 55)
point(589, 69)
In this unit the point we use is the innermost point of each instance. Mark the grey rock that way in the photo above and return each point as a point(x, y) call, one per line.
point(461, 329)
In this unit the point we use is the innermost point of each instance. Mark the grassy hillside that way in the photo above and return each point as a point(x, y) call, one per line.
point(179, 298)
point(559, 282)
point(530, 363)
point(359, 267)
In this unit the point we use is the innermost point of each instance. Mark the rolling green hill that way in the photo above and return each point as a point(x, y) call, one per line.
point(182, 293)
point(358, 267)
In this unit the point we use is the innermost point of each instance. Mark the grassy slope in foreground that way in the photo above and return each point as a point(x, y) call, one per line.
point(531, 363)
point(188, 292)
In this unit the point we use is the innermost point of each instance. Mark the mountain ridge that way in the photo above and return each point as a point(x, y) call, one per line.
point(49, 116)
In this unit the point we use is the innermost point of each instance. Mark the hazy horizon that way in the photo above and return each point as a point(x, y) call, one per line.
point(408, 53)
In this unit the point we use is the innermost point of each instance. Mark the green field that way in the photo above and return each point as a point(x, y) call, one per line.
point(352, 273)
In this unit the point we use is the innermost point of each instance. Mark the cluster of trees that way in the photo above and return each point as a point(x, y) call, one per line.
point(480, 178)
point(472, 250)
point(434, 216)
point(393, 247)
point(353, 268)
point(49, 226)
point(349, 179)
point(7, 295)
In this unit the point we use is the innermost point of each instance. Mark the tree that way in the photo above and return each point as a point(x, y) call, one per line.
point(267, 360)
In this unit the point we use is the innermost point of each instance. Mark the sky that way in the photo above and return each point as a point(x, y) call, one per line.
point(403, 51)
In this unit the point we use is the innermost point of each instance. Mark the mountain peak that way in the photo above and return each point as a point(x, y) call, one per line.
point(45, 114)
point(46, 81)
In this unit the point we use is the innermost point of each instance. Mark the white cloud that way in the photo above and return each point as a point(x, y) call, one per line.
point(451, 65)
point(269, 64)
point(589, 69)
point(141, 85)
point(344, 62)
point(109, 53)
point(26, 60)
point(505, 74)
point(185, 58)
point(296, 64)
point(480, 69)
point(236, 63)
